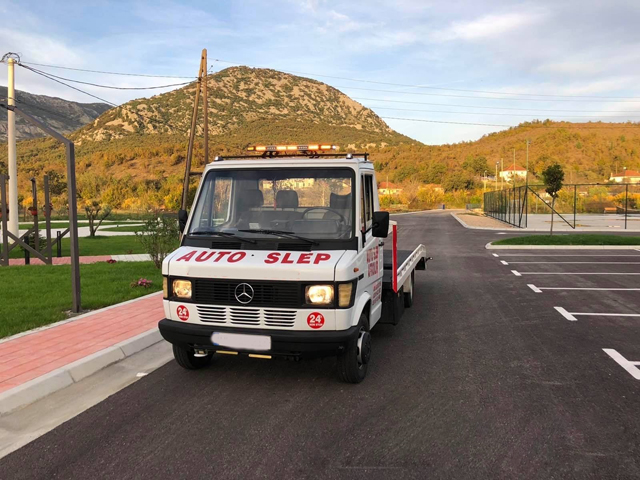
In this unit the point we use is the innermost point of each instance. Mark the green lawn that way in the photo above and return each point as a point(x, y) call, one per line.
point(54, 224)
point(121, 228)
point(120, 245)
point(34, 296)
point(571, 239)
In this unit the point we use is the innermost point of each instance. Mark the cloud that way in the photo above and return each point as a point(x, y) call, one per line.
point(487, 26)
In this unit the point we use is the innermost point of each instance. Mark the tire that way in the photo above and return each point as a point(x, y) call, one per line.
point(187, 359)
point(352, 367)
point(408, 296)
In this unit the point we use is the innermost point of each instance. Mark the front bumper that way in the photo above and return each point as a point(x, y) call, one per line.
point(293, 343)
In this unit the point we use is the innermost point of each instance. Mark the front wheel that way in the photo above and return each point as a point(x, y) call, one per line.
point(354, 362)
point(187, 358)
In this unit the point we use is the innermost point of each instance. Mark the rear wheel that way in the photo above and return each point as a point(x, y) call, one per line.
point(187, 358)
point(354, 362)
point(408, 296)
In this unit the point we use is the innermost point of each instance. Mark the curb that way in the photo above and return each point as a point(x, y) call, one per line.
point(489, 246)
point(465, 225)
point(51, 382)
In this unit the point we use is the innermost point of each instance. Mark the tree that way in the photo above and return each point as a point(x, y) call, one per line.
point(553, 176)
point(93, 208)
point(159, 237)
point(477, 165)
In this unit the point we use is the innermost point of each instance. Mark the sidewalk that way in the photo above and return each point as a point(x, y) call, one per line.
point(36, 363)
point(140, 257)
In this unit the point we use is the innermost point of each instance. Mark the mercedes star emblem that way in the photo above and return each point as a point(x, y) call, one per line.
point(244, 293)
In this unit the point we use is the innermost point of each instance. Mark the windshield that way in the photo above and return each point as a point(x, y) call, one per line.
point(309, 203)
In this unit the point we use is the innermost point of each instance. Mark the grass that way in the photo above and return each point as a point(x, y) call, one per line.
point(571, 239)
point(39, 295)
point(120, 245)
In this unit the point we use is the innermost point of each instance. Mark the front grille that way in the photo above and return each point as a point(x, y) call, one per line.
point(265, 294)
point(245, 316)
point(279, 318)
point(212, 314)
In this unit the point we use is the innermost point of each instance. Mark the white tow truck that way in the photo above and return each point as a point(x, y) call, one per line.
point(282, 257)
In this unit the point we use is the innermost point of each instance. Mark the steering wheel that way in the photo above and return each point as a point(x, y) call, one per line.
point(343, 219)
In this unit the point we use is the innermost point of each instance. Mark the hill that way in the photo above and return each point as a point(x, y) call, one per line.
point(62, 115)
point(251, 104)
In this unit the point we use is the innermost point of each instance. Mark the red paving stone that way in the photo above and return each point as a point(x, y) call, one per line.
point(86, 259)
point(30, 356)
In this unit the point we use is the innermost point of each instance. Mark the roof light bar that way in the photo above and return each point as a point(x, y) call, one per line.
point(291, 148)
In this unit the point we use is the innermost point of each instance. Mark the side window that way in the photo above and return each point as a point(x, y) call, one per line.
point(368, 192)
point(363, 205)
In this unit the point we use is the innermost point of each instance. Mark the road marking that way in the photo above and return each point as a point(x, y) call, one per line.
point(516, 273)
point(534, 288)
point(591, 288)
point(496, 255)
point(503, 262)
point(581, 263)
point(566, 314)
point(631, 367)
point(572, 273)
point(563, 255)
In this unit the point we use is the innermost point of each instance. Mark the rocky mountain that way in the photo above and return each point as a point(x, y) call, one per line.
point(246, 100)
point(61, 115)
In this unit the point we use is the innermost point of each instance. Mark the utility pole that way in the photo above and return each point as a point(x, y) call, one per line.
point(497, 175)
point(14, 212)
point(501, 170)
point(513, 176)
point(205, 107)
point(192, 134)
point(527, 167)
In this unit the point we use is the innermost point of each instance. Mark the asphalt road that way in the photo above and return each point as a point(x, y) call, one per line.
point(483, 378)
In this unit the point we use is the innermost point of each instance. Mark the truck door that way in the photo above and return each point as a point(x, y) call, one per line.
point(371, 247)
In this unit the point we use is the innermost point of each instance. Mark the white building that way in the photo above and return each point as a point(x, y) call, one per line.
point(628, 176)
point(513, 171)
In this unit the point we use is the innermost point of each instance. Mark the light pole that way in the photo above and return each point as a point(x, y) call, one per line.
point(497, 163)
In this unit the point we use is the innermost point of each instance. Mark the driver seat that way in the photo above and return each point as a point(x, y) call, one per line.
point(341, 203)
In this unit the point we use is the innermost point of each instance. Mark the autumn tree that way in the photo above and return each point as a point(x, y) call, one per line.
point(95, 212)
point(553, 176)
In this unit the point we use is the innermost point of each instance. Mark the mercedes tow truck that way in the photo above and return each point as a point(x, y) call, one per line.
point(282, 257)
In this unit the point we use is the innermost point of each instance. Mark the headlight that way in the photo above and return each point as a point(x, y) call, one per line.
point(182, 288)
point(319, 294)
point(165, 287)
point(344, 294)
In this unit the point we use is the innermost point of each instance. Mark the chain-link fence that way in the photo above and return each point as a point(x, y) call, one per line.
point(580, 205)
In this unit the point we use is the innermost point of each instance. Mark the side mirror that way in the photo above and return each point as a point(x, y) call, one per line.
point(183, 216)
point(380, 226)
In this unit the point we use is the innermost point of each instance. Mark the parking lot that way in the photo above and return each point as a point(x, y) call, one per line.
point(597, 289)
point(483, 378)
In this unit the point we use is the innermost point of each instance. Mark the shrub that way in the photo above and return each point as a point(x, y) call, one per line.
point(159, 237)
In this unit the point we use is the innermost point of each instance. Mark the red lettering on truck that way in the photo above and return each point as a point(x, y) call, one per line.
point(236, 257)
point(287, 258)
point(321, 257)
point(272, 257)
point(186, 257)
point(304, 258)
point(204, 256)
point(221, 255)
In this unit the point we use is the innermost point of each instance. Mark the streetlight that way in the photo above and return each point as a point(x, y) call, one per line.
point(497, 163)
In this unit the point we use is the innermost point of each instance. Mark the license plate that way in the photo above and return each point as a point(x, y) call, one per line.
point(240, 341)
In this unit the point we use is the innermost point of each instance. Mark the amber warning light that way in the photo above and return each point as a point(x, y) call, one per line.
point(292, 148)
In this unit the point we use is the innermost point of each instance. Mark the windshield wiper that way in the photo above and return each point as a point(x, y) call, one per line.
point(280, 233)
point(215, 233)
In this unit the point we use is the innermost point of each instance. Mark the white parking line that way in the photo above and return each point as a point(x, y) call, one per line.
point(566, 314)
point(563, 255)
point(496, 255)
point(572, 315)
point(601, 289)
point(578, 263)
point(516, 273)
point(631, 367)
point(503, 262)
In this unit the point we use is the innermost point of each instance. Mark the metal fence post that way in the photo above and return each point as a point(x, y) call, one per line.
point(575, 204)
point(626, 204)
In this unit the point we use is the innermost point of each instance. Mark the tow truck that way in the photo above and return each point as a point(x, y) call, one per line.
point(282, 256)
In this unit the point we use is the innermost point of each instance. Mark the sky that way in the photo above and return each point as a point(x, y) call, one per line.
point(428, 61)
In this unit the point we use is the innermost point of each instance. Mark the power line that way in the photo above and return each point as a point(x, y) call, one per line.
point(482, 98)
point(413, 102)
point(106, 86)
point(636, 126)
point(438, 88)
point(108, 73)
point(501, 114)
point(71, 86)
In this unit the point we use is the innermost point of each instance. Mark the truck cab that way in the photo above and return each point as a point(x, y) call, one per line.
point(281, 257)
